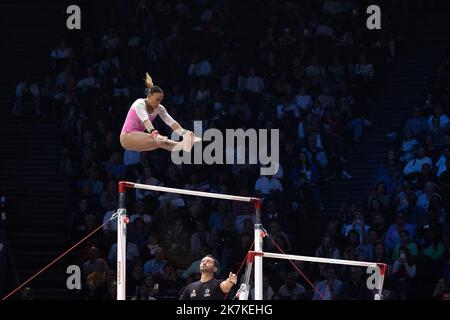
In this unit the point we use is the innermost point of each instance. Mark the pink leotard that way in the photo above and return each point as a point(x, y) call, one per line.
point(138, 114)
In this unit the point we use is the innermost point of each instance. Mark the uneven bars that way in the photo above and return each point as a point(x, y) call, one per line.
point(315, 259)
point(124, 184)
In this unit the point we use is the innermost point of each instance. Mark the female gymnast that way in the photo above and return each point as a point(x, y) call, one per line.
point(139, 118)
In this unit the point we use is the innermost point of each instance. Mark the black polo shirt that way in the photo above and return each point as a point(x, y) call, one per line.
point(198, 290)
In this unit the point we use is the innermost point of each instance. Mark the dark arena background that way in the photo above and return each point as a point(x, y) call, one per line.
point(357, 93)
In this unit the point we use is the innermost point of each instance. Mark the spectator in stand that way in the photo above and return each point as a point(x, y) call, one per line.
point(330, 288)
point(135, 277)
point(414, 166)
point(109, 199)
point(267, 184)
point(380, 254)
point(393, 234)
point(114, 168)
point(216, 218)
point(363, 69)
point(96, 281)
point(93, 180)
point(358, 225)
point(157, 264)
point(253, 83)
point(403, 273)
point(138, 233)
point(405, 242)
point(442, 163)
point(408, 146)
point(200, 237)
point(291, 290)
point(268, 292)
point(132, 253)
point(147, 289)
point(379, 192)
point(426, 194)
point(439, 116)
point(89, 265)
point(27, 98)
point(355, 287)
point(414, 213)
point(141, 211)
point(149, 250)
point(327, 249)
point(440, 287)
point(366, 248)
point(61, 55)
point(199, 67)
point(435, 248)
point(417, 124)
point(232, 81)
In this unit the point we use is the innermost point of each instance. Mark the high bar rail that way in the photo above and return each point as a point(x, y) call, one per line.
point(125, 184)
point(317, 259)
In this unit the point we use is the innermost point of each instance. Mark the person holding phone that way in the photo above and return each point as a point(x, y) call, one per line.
point(403, 273)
